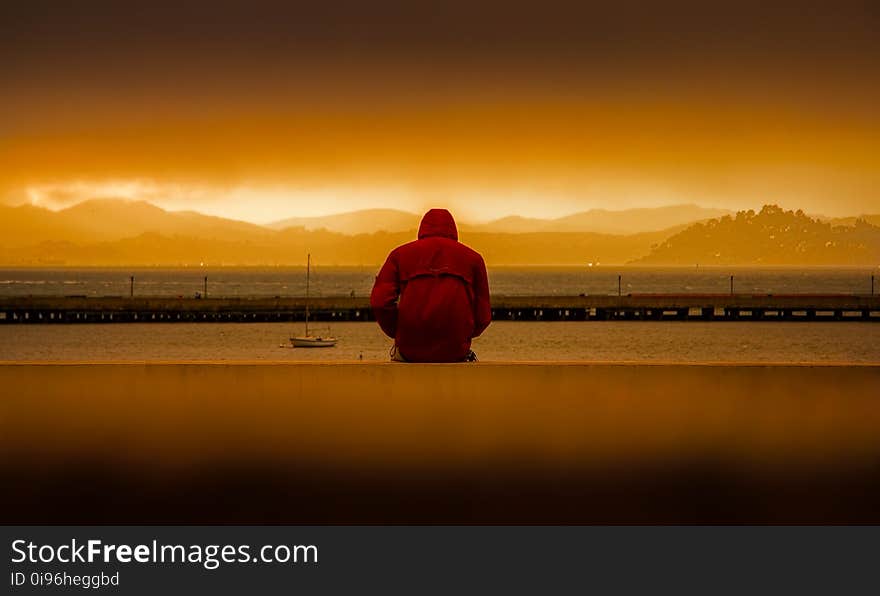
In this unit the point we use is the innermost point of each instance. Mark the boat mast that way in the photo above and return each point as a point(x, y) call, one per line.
point(308, 271)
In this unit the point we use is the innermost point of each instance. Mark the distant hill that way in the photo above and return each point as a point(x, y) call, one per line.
point(600, 221)
point(603, 221)
point(118, 232)
point(115, 219)
point(290, 246)
point(102, 220)
point(25, 225)
point(115, 232)
point(873, 219)
point(772, 236)
point(365, 221)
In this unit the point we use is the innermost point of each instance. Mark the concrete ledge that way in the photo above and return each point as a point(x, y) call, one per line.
point(492, 442)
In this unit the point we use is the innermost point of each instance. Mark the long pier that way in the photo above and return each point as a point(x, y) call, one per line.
point(631, 307)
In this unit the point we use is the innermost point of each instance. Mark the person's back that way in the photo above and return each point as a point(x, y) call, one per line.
point(432, 294)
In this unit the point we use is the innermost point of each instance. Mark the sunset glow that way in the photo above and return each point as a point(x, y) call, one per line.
point(543, 117)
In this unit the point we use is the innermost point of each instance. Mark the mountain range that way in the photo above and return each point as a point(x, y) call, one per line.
point(101, 220)
point(106, 232)
point(599, 221)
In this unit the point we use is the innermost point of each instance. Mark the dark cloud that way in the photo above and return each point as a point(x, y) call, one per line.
point(685, 94)
point(567, 30)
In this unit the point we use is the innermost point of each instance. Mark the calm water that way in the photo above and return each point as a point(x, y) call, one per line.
point(510, 341)
point(596, 341)
point(338, 281)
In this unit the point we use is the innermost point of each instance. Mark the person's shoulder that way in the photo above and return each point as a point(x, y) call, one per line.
point(404, 248)
point(471, 253)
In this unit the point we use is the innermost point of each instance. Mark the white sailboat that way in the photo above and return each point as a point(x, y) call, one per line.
point(308, 340)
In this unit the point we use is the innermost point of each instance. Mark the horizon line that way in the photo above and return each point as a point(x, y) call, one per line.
point(467, 221)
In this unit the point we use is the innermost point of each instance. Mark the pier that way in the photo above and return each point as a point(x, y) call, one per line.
point(630, 307)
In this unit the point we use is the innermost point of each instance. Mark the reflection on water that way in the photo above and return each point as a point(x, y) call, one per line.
point(510, 341)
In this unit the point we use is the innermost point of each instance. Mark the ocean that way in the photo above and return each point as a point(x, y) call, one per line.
point(654, 341)
point(643, 341)
point(341, 281)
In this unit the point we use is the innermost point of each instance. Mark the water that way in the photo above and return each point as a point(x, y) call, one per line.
point(341, 281)
point(660, 341)
point(520, 341)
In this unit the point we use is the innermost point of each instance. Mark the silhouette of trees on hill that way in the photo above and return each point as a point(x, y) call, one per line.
point(772, 236)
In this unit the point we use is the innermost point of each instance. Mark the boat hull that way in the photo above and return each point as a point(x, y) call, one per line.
point(313, 342)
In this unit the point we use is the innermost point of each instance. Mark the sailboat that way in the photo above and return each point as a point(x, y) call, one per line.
point(308, 340)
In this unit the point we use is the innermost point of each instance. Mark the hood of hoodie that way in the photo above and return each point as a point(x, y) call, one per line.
point(438, 222)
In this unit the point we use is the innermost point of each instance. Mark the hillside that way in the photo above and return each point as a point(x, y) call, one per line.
point(107, 220)
point(772, 236)
point(119, 232)
point(114, 232)
point(871, 218)
point(365, 221)
point(598, 221)
point(290, 247)
point(603, 221)
point(100, 220)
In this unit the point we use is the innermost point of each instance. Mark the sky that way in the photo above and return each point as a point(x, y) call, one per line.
point(262, 111)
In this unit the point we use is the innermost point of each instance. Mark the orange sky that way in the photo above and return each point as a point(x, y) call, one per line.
point(280, 109)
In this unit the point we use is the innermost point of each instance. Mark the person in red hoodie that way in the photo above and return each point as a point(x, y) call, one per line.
point(432, 295)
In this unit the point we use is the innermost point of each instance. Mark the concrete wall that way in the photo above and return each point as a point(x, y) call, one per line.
point(398, 442)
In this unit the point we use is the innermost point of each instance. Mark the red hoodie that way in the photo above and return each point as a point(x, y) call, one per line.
point(432, 294)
